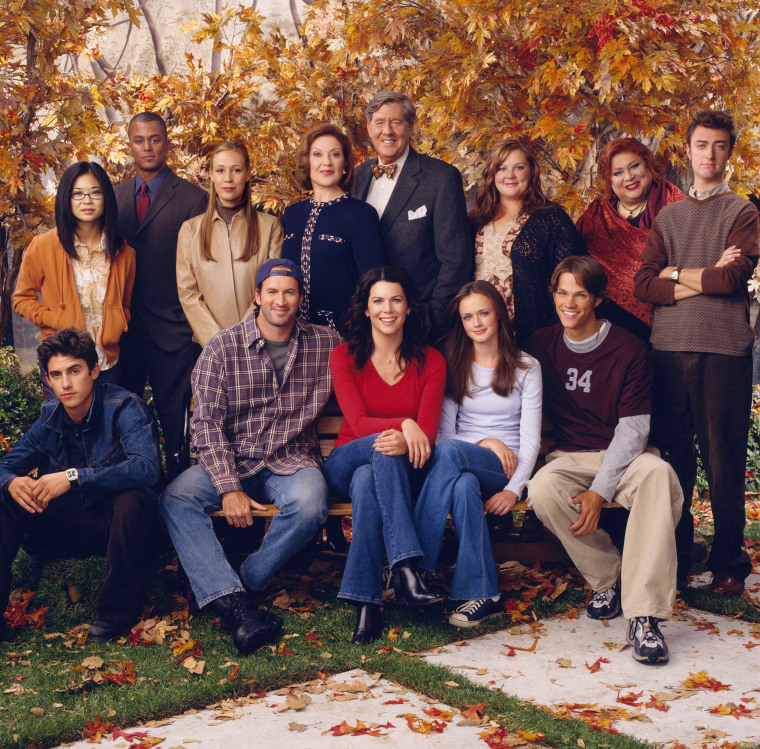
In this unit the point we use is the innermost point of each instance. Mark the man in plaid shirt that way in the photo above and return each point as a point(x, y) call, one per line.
point(258, 389)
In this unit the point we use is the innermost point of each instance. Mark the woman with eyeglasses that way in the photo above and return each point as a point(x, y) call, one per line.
point(82, 270)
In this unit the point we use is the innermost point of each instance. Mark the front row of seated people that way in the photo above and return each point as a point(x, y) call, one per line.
point(259, 388)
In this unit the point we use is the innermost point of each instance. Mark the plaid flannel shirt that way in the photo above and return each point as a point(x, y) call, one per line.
point(243, 421)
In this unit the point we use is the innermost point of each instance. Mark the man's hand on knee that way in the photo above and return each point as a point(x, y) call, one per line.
point(237, 508)
point(21, 490)
point(591, 507)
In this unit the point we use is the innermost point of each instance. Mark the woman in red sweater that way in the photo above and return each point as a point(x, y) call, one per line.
point(390, 388)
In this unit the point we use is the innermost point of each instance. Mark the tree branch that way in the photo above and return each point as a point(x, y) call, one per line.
point(158, 49)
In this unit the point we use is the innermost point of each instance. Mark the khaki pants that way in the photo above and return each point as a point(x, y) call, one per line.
point(650, 491)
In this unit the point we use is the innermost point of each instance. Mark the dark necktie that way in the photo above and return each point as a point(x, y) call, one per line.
point(378, 170)
point(143, 202)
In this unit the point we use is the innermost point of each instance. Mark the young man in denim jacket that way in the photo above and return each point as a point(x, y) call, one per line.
point(98, 464)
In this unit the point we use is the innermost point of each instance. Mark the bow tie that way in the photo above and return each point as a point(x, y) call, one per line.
point(378, 170)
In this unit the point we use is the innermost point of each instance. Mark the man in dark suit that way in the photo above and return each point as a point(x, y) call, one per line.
point(420, 201)
point(153, 205)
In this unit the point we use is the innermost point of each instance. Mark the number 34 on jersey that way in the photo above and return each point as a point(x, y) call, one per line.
point(574, 382)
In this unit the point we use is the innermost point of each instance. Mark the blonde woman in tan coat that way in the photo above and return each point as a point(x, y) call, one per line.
point(219, 252)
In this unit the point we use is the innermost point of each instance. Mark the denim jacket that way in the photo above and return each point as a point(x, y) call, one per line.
point(120, 441)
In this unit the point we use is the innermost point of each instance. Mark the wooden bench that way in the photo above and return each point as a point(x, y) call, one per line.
point(328, 427)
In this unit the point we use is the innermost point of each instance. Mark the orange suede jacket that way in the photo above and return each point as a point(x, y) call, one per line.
point(46, 268)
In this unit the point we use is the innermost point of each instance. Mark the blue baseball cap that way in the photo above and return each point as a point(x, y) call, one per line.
point(279, 267)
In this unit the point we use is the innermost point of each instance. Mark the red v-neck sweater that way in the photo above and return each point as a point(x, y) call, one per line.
point(370, 405)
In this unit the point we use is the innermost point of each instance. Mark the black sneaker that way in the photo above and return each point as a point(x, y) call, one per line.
point(647, 640)
point(604, 604)
point(472, 613)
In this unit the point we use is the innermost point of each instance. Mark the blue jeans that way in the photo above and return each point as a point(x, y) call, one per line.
point(461, 476)
point(378, 486)
point(186, 502)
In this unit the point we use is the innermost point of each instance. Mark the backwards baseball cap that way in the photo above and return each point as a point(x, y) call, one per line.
point(279, 267)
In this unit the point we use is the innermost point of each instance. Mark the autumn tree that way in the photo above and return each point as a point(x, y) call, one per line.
point(50, 112)
point(567, 75)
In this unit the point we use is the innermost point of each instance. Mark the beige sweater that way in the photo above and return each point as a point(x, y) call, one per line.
point(216, 294)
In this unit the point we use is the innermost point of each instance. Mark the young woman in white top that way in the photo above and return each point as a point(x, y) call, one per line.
point(488, 441)
point(219, 252)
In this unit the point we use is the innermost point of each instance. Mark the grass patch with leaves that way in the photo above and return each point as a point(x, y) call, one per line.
point(50, 688)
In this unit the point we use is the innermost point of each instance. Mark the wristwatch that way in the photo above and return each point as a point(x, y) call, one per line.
point(674, 274)
point(72, 475)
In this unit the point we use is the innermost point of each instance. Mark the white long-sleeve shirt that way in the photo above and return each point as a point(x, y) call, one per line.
point(514, 419)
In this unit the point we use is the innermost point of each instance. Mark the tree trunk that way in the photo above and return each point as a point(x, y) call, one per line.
point(158, 49)
point(216, 54)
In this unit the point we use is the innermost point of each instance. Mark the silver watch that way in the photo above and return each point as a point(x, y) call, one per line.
point(674, 274)
point(72, 475)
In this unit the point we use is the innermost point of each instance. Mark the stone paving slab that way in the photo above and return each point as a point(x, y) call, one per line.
point(231, 726)
point(561, 669)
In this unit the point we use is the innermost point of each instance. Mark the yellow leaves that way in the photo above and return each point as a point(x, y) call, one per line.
point(701, 680)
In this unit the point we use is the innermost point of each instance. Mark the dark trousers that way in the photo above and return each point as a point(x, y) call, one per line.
point(707, 395)
point(169, 375)
point(126, 528)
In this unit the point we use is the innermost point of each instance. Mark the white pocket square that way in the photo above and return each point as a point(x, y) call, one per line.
point(419, 213)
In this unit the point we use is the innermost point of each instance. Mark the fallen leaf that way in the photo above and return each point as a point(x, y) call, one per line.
point(451, 683)
point(93, 662)
point(597, 664)
point(657, 704)
point(194, 666)
point(360, 729)
point(299, 727)
point(630, 699)
point(530, 735)
point(420, 725)
point(474, 711)
point(294, 701)
point(731, 708)
point(565, 663)
point(701, 680)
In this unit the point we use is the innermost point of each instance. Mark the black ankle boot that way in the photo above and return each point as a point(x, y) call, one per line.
point(369, 623)
point(410, 587)
point(250, 627)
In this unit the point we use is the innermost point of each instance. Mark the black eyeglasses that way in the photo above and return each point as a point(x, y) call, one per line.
point(81, 195)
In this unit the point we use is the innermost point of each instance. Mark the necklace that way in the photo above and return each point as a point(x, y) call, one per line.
point(635, 209)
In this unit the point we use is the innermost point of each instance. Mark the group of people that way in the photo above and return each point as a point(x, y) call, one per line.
point(446, 339)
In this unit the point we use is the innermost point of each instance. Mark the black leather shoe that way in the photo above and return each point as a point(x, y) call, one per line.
point(250, 627)
point(104, 631)
point(369, 623)
point(410, 587)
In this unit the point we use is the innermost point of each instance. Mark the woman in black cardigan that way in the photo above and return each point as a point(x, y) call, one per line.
point(521, 236)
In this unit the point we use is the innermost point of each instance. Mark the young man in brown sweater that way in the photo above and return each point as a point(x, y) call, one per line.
point(694, 269)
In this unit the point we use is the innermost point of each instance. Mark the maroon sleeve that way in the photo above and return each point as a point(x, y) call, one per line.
point(636, 393)
point(434, 382)
point(350, 399)
point(734, 276)
point(648, 286)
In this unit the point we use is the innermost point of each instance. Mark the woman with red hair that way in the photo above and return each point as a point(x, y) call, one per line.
point(615, 226)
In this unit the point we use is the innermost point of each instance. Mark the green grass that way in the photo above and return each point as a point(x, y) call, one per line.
point(163, 687)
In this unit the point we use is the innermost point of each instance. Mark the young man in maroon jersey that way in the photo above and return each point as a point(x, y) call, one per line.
point(597, 394)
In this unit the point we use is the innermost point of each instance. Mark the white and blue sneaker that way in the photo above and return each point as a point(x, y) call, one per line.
point(604, 604)
point(647, 641)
